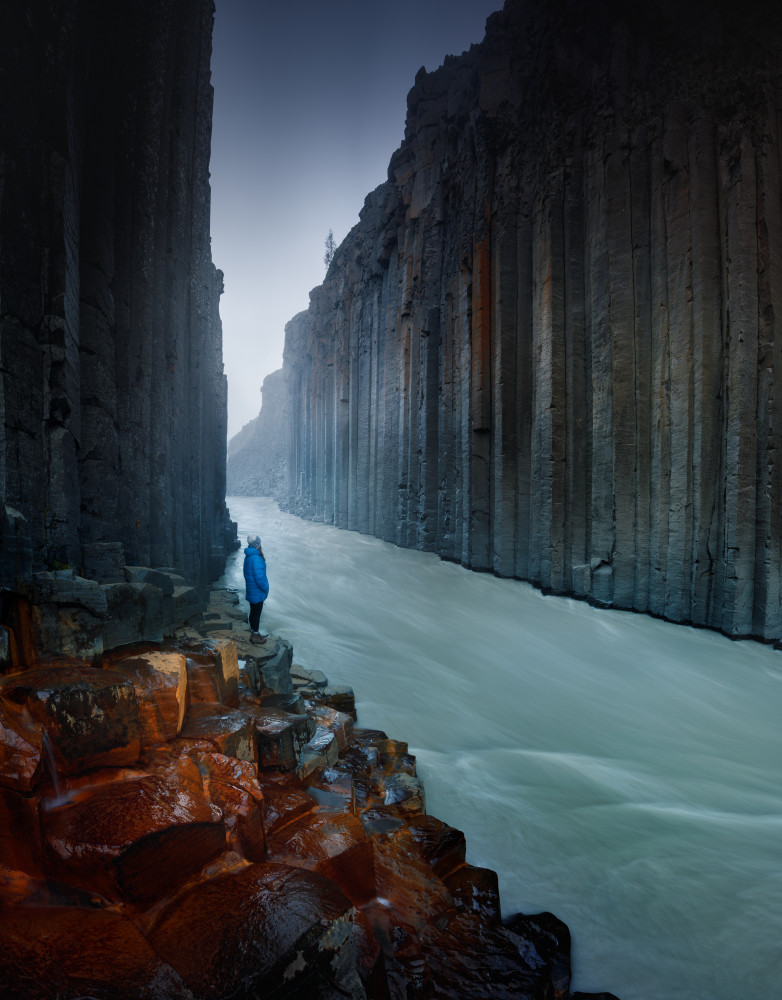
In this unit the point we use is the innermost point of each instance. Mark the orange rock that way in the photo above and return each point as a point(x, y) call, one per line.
point(160, 682)
point(70, 952)
point(20, 832)
point(20, 748)
point(246, 933)
point(90, 715)
point(213, 670)
point(407, 888)
point(203, 685)
point(138, 838)
point(232, 786)
point(229, 731)
point(283, 805)
point(243, 818)
point(333, 844)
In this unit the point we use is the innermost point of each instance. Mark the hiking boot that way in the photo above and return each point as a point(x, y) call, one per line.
point(257, 639)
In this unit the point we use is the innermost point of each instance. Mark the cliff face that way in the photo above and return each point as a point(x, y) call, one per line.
point(113, 398)
point(550, 348)
point(256, 455)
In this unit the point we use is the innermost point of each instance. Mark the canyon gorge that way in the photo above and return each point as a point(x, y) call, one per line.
point(550, 347)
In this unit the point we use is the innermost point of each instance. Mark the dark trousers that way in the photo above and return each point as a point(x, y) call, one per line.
point(255, 615)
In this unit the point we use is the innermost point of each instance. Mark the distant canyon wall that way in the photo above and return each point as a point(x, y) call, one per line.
point(551, 348)
point(112, 393)
point(256, 455)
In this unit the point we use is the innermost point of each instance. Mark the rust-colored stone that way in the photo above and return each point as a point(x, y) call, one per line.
point(333, 844)
point(232, 786)
point(229, 731)
point(408, 890)
point(247, 932)
point(72, 952)
point(20, 748)
point(136, 839)
point(20, 832)
point(282, 805)
point(212, 669)
point(160, 682)
point(90, 715)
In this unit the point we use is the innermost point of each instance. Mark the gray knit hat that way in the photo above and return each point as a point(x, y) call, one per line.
point(254, 540)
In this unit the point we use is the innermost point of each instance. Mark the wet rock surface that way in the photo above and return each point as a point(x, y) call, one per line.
point(264, 846)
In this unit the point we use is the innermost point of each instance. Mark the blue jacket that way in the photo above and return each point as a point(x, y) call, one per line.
point(255, 575)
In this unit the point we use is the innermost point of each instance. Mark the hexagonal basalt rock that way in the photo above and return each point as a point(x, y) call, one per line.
point(133, 838)
point(253, 931)
point(90, 716)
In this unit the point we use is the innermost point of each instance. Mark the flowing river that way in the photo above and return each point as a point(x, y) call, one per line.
point(620, 771)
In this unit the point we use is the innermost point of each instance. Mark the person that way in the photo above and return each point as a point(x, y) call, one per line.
point(256, 584)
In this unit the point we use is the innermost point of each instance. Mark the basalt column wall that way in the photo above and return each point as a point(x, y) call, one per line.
point(112, 393)
point(551, 348)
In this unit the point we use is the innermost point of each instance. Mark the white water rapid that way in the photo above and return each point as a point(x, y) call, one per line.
point(622, 772)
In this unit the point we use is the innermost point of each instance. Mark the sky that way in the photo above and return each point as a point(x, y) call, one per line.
point(309, 104)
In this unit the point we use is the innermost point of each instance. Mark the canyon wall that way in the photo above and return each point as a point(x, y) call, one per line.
point(112, 393)
point(550, 348)
point(256, 455)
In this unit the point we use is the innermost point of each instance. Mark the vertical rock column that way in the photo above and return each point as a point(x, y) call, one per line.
point(112, 389)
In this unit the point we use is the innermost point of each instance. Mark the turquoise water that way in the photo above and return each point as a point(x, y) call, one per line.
point(622, 772)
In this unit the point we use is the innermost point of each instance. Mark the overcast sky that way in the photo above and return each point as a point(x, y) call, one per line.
point(310, 100)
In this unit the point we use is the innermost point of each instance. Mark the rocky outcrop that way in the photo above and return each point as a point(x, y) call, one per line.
point(176, 825)
point(112, 393)
point(256, 455)
point(550, 348)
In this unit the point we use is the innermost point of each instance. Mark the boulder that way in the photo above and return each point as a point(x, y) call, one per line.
point(20, 747)
point(332, 843)
point(132, 837)
point(545, 939)
point(160, 682)
point(268, 666)
point(21, 846)
point(229, 731)
point(90, 716)
point(134, 613)
point(67, 632)
point(257, 930)
point(213, 669)
point(282, 803)
point(440, 845)
point(336, 722)
point(321, 751)
point(475, 890)
point(332, 787)
point(72, 952)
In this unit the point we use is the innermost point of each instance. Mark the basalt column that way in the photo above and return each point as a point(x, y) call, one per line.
point(551, 348)
point(112, 393)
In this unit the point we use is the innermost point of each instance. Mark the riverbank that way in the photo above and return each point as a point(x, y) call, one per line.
point(218, 828)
